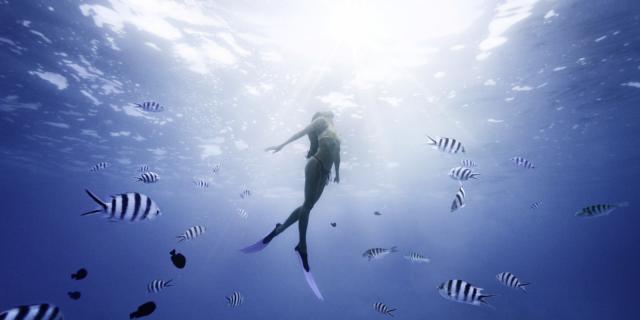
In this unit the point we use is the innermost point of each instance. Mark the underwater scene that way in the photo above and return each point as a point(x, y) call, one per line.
point(308, 159)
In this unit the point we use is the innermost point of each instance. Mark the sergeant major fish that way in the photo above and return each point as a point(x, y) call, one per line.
point(100, 166)
point(148, 177)
point(235, 299)
point(463, 292)
point(417, 258)
point(150, 106)
point(462, 174)
point(448, 145)
point(42, 311)
point(522, 162)
point(510, 280)
point(458, 201)
point(383, 308)
point(377, 253)
point(468, 163)
point(156, 286)
point(131, 206)
point(597, 210)
point(192, 233)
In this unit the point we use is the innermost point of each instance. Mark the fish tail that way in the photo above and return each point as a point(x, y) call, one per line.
point(623, 204)
point(393, 249)
point(96, 199)
point(389, 312)
point(133, 315)
point(483, 297)
point(92, 212)
point(181, 238)
point(431, 141)
point(74, 276)
point(168, 283)
point(173, 251)
point(474, 176)
point(523, 285)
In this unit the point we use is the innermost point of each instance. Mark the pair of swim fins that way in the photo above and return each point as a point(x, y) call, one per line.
point(304, 262)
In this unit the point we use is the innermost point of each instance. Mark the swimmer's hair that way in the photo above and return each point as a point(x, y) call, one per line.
point(324, 114)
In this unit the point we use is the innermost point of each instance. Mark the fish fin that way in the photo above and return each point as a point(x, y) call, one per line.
point(623, 204)
point(393, 249)
point(96, 199)
point(92, 212)
point(431, 141)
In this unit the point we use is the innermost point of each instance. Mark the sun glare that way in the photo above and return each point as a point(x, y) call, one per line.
point(356, 24)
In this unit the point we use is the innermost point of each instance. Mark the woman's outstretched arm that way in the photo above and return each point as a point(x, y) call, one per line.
point(317, 125)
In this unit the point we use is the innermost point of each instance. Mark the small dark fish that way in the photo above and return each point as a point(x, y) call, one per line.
point(143, 310)
point(178, 259)
point(377, 213)
point(333, 224)
point(81, 274)
point(75, 295)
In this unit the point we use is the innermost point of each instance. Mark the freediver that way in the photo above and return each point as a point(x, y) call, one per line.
point(324, 152)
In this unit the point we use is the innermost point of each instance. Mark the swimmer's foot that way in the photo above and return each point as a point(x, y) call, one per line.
point(258, 246)
point(307, 273)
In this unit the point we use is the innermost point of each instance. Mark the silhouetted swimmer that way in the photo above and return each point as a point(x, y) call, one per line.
point(143, 310)
point(75, 295)
point(178, 259)
point(81, 274)
point(324, 153)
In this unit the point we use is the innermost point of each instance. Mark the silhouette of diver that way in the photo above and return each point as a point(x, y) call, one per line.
point(324, 153)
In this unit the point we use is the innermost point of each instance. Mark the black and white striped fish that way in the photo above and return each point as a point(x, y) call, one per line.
point(201, 183)
point(522, 162)
point(377, 253)
point(192, 233)
point(383, 308)
point(235, 299)
point(150, 106)
point(245, 193)
point(417, 258)
point(100, 166)
point(144, 168)
point(462, 174)
point(148, 177)
point(448, 145)
point(131, 206)
point(458, 201)
point(463, 292)
point(468, 163)
point(511, 281)
point(156, 286)
point(535, 205)
point(42, 311)
point(597, 210)
point(243, 213)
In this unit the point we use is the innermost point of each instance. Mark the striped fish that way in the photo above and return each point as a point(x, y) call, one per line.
point(522, 162)
point(156, 286)
point(131, 206)
point(42, 311)
point(150, 106)
point(192, 233)
point(382, 308)
point(535, 205)
point(462, 174)
point(468, 163)
point(377, 253)
point(463, 292)
point(148, 177)
point(597, 210)
point(201, 183)
point(458, 201)
point(235, 299)
point(144, 168)
point(100, 166)
point(417, 258)
point(448, 145)
point(511, 281)
point(245, 193)
point(243, 213)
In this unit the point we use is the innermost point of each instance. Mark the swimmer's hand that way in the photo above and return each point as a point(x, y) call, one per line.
point(274, 148)
point(336, 179)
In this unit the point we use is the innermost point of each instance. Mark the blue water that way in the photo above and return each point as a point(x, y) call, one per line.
point(558, 83)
